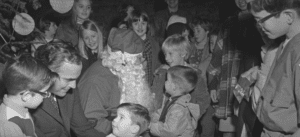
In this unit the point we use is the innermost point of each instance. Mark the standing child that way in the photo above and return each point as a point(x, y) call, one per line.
point(132, 121)
point(178, 117)
point(177, 50)
point(278, 105)
point(27, 82)
point(140, 23)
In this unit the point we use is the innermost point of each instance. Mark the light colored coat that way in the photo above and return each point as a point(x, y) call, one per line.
point(181, 119)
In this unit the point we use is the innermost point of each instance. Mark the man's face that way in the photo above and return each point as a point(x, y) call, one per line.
point(273, 26)
point(172, 3)
point(68, 73)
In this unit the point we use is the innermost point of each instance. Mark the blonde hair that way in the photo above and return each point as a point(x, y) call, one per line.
point(89, 25)
point(177, 43)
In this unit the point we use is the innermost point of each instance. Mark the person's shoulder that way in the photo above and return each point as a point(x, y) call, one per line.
point(10, 129)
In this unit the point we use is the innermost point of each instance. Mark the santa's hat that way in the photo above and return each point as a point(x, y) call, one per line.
point(125, 40)
point(176, 19)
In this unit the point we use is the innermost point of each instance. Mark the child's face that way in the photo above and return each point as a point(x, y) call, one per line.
point(199, 33)
point(173, 57)
point(272, 26)
point(140, 28)
point(83, 9)
point(52, 28)
point(122, 123)
point(36, 99)
point(242, 4)
point(90, 39)
point(169, 86)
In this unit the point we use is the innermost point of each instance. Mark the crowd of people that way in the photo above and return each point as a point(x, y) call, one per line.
point(168, 75)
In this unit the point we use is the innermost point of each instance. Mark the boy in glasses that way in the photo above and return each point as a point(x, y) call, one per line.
point(26, 81)
point(278, 105)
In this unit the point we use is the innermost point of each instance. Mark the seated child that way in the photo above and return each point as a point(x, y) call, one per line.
point(27, 81)
point(178, 117)
point(132, 121)
point(48, 27)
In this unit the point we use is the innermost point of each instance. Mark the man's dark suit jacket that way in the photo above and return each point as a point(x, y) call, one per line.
point(48, 123)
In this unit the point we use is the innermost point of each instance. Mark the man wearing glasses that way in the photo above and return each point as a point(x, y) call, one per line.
point(61, 114)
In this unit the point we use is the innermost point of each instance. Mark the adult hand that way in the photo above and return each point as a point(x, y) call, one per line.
point(251, 73)
point(213, 96)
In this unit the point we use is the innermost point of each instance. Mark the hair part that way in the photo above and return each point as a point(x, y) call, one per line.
point(139, 115)
point(184, 77)
point(177, 43)
point(273, 6)
point(26, 73)
point(89, 25)
point(54, 54)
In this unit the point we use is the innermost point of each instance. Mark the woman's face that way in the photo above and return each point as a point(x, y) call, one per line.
point(83, 9)
point(90, 39)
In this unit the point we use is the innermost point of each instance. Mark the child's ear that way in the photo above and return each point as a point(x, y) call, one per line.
point(134, 128)
point(291, 15)
point(26, 96)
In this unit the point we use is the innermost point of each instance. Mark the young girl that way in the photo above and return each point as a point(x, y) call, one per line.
point(68, 29)
point(177, 50)
point(140, 25)
point(90, 44)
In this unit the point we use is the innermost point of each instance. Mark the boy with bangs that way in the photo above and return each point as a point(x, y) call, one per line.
point(178, 117)
point(278, 105)
point(132, 121)
point(27, 82)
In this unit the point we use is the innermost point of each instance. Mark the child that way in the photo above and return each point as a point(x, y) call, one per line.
point(140, 24)
point(201, 56)
point(132, 121)
point(177, 50)
point(68, 30)
point(278, 106)
point(90, 44)
point(47, 26)
point(178, 117)
point(27, 81)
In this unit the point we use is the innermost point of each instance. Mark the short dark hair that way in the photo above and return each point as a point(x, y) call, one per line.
point(204, 23)
point(140, 115)
point(26, 73)
point(273, 6)
point(137, 14)
point(185, 77)
point(45, 22)
point(55, 53)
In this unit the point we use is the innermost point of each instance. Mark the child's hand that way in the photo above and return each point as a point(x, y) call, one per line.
point(213, 96)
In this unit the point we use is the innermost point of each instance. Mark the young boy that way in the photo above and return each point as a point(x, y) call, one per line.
point(278, 106)
point(178, 117)
point(27, 81)
point(48, 27)
point(132, 121)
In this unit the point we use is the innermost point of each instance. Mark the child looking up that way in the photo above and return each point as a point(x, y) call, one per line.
point(132, 121)
point(27, 81)
point(178, 117)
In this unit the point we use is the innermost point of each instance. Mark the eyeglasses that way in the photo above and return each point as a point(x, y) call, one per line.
point(45, 94)
point(261, 21)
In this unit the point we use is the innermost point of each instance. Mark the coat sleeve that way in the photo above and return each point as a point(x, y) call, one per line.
point(79, 123)
point(93, 101)
point(10, 129)
point(174, 125)
point(296, 75)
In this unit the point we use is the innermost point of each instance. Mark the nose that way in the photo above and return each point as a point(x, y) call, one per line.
point(72, 84)
point(167, 57)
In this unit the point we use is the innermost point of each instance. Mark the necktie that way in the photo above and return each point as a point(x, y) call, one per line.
point(54, 103)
